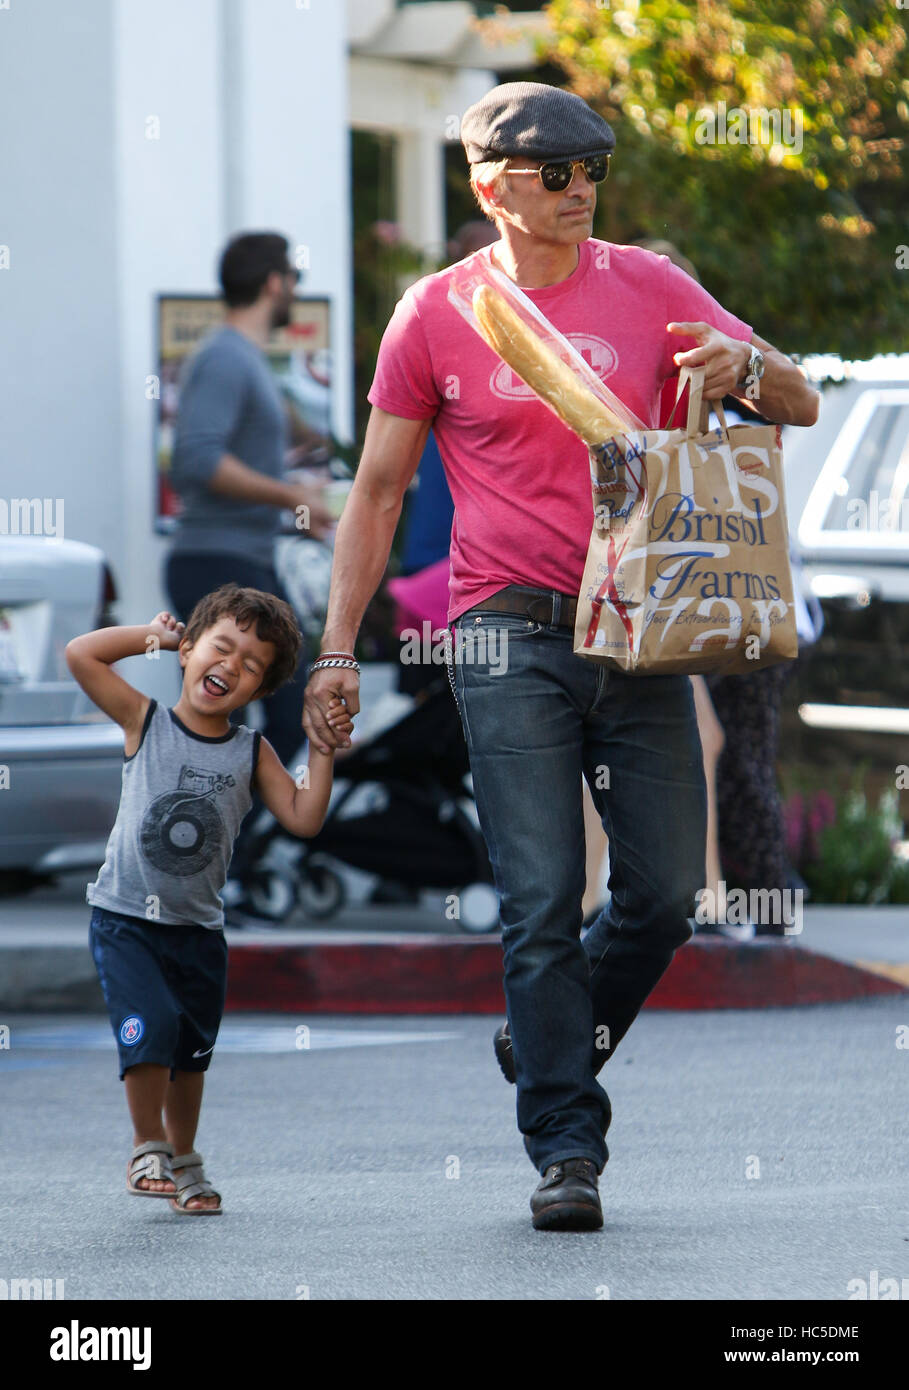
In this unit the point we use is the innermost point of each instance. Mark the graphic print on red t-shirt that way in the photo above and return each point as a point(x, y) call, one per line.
point(597, 353)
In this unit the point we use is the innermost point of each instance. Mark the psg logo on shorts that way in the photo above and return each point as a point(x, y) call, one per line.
point(131, 1030)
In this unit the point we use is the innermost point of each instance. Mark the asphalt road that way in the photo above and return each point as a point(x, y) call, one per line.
point(383, 1163)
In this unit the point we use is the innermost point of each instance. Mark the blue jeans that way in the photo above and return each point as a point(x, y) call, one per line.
point(536, 717)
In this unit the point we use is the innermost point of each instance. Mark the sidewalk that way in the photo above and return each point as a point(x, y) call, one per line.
point(411, 960)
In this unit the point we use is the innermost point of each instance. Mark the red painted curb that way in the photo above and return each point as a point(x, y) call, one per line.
point(454, 975)
point(717, 974)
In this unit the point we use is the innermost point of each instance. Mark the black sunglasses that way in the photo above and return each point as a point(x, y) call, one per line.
point(557, 174)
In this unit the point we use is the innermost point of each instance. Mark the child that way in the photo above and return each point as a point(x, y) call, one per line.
point(157, 923)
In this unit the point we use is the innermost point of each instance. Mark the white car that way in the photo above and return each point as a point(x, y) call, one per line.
point(60, 757)
point(848, 495)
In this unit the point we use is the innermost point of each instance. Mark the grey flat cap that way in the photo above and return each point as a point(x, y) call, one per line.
point(531, 120)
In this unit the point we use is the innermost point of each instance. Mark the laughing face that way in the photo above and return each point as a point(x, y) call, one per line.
point(223, 670)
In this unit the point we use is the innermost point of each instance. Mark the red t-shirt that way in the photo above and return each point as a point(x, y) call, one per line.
point(519, 478)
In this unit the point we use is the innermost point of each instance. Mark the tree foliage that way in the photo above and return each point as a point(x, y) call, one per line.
point(798, 234)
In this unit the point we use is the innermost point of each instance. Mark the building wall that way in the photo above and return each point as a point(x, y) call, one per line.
point(137, 139)
point(60, 407)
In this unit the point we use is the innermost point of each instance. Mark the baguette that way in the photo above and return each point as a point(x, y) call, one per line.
point(544, 372)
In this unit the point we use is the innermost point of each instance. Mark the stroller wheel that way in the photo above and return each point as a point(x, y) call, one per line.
point(271, 894)
point(321, 891)
point(479, 907)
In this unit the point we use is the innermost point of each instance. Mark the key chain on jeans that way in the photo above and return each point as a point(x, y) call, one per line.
point(449, 664)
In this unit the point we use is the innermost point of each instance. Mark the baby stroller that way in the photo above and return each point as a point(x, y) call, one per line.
point(402, 810)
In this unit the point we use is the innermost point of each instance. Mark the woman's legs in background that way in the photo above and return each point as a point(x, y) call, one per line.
point(712, 741)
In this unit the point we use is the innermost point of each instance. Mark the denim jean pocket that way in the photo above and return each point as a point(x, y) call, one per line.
point(487, 649)
point(485, 621)
point(486, 644)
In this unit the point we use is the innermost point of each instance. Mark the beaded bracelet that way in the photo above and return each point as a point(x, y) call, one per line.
point(323, 656)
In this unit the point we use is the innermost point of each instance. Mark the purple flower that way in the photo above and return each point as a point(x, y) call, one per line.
point(388, 233)
point(793, 821)
point(821, 814)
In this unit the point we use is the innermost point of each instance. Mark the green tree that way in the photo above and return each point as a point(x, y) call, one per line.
point(799, 235)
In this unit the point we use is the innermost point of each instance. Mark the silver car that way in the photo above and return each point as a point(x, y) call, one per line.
point(60, 758)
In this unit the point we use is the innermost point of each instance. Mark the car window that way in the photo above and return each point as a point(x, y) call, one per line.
point(861, 497)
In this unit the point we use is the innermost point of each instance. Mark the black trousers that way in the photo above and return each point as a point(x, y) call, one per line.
point(187, 578)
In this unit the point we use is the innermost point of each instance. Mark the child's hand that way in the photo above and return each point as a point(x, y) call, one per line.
point(338, 717)
point(168, 631)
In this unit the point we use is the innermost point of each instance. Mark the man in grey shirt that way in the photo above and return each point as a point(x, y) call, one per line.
point(228, 461)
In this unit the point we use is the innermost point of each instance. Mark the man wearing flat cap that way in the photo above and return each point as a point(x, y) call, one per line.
point(523, 515)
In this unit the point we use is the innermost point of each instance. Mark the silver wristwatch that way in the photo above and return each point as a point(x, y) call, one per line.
point(754, 367)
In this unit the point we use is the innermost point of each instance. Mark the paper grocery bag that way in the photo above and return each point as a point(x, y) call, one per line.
point(688, 565)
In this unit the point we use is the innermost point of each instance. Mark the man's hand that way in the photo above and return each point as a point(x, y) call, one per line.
point(326, 723)
point(724, 359)
point(783, 394)
point(168, 631)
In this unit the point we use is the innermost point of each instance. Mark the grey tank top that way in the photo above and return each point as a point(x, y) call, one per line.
point(182, 799)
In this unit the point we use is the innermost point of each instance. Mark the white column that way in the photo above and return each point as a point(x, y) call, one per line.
point(168, 167)
point(421, 190)
point(59, 389)
point(294, 152)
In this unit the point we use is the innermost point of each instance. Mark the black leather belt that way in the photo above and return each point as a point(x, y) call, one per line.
point(539, 605)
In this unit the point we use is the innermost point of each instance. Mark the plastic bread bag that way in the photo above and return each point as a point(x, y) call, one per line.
point(512, 325)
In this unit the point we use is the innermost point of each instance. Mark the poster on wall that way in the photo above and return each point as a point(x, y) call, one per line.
point(299, 356)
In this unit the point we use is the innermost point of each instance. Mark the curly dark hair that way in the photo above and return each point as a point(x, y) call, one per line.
point(274, 619)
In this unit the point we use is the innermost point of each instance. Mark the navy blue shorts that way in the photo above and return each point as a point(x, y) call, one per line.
point(164, 988)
